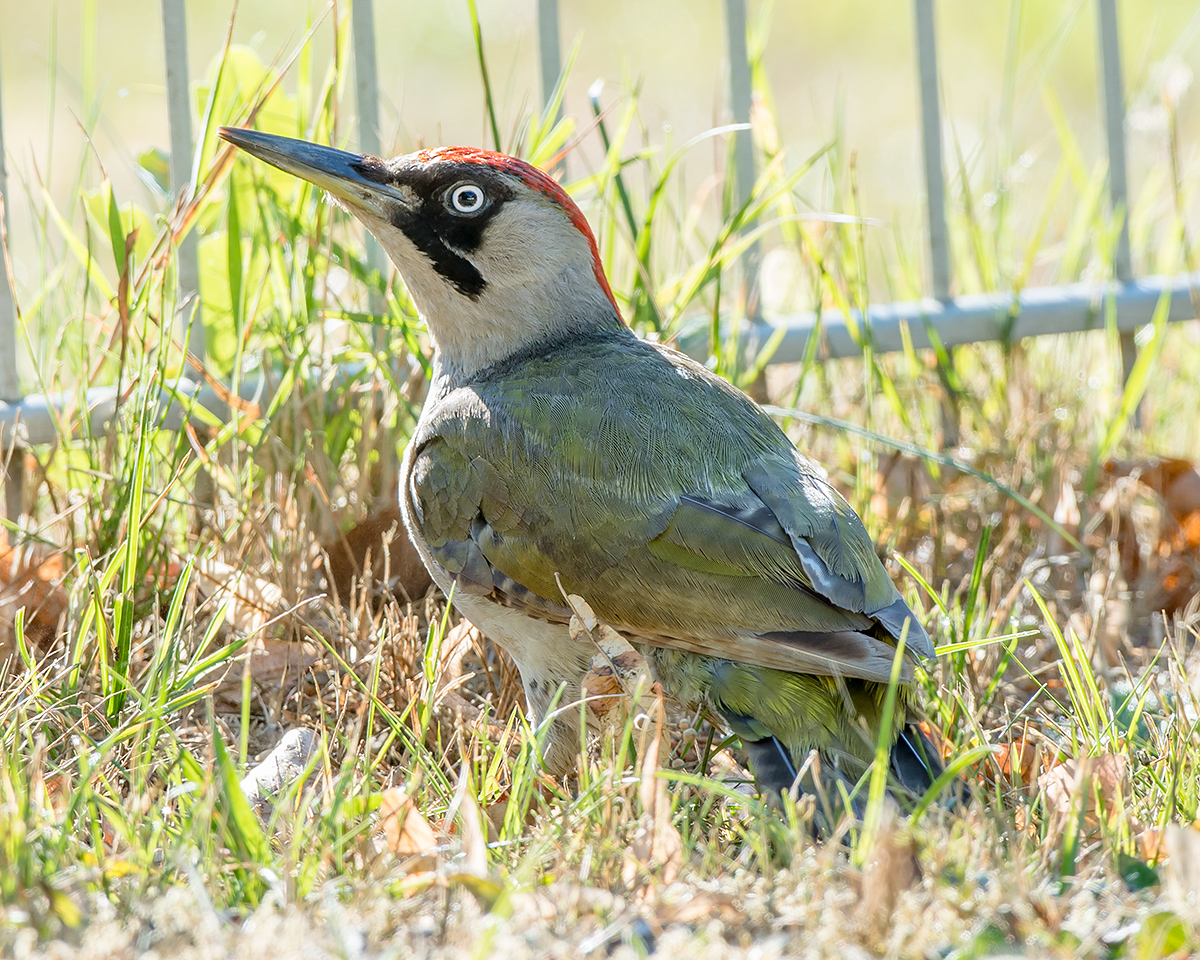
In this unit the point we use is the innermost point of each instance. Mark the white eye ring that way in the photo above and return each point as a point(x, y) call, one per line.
point(467, 198)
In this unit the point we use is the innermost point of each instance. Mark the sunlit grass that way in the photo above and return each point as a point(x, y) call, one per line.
point(121, 754)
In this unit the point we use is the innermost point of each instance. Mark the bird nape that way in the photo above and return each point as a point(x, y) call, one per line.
point(559, 452)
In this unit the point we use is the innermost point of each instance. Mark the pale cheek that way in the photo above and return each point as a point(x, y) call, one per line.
point(521, 255)
point(407, 258)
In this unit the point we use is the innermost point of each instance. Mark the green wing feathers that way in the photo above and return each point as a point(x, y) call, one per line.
point(700, 528)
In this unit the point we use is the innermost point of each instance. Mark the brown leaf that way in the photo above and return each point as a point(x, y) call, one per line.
point(472, 822)
point(935, 736)
point(657, 843)
point(1189, 532)
point(377, 542)
point(891, 868)
point(409, 836)
point(1176, 481)
point(272, 663)
point(1017, 762)
point(253, 602)
point(30, 578)
point(1182, 495)
point(602, 690)
point(1067, 516)
point(459, 640)
point(617, 670)
point(1157, 513)
point(697, 906)
point(1173, 584)
point(1073, 785)
point(1181, 872)
point(1150, 842)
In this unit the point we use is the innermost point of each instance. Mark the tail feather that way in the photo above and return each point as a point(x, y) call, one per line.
point(772, 765)
point(915, 762)
point(776, 773)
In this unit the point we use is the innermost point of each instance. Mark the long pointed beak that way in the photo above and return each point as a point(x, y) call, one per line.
point(336, 171)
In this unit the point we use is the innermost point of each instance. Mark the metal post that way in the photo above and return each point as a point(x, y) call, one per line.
point(743, 144)
point(366, 93)
point(935, 189)
point(187, 260)
point(366, 77)
point(10, 386)
point(179, 112)
point(549, 51)
point(931, 142)
point(366, 96)
point(1113, 94)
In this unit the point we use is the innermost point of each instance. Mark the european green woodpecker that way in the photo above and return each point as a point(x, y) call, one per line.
point(558, 451)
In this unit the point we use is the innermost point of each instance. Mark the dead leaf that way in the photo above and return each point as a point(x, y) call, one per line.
point(253, 602)
point(613, 681)
point(272, 663)
point(1176, 481)
point(464, 813)
point(657, 845)
point(1150, 842)
point(1067, 516)
point(30, 578)
point(891, 868)
point(379, 546)
point(1189, 532)
point(1156, 508)
point(459, 640)
point(1173, 583)
point(1015, 763)
point(935, 736)
point(410, 838)
point(1181, 871)
point(1074, 785)
point(617, 671)
point(603, 691)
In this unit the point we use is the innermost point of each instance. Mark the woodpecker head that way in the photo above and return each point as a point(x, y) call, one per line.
point(496, 256)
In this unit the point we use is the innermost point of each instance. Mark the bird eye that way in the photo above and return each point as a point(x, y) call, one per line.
point(467, 198)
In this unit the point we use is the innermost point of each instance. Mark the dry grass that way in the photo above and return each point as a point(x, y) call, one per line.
point(174, 602)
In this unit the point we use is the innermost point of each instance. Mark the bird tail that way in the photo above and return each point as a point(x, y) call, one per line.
point(915, 762)
point(771, 764)
point(915, 766)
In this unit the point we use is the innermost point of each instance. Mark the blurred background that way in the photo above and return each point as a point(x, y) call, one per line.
point(843, 69)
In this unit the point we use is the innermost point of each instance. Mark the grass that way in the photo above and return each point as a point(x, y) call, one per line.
point(184, 561)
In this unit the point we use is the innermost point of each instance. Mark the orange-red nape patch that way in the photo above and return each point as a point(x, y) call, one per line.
point(535, 179)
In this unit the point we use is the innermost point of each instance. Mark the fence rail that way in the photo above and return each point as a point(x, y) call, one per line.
point(179, 119)
point(955, 320)
point(981, 318)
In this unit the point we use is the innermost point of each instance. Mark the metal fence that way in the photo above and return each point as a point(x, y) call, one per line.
point(1067, 308)
point(955, 320)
